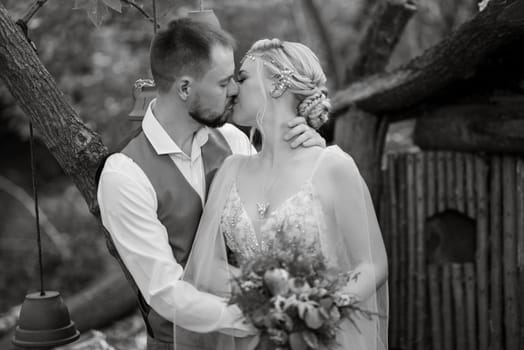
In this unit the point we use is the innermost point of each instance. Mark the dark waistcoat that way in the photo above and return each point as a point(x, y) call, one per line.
point(179, 206)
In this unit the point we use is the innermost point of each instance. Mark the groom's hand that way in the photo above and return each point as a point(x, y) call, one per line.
point(302, 134)
point(238, 326)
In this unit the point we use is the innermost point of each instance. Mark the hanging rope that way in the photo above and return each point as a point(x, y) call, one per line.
point(37, 213)
point(23, 25)
point(155, 28)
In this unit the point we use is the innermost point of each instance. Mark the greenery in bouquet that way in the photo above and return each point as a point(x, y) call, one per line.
point(291, 293)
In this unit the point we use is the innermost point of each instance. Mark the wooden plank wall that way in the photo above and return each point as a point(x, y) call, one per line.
point(454, 306)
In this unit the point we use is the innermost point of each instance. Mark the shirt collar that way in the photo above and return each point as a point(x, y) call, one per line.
point(160, 139)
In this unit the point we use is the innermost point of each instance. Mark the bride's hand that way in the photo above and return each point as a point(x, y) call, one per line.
point(302, 134)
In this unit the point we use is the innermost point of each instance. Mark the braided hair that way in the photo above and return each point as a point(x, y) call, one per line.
point(294, 67)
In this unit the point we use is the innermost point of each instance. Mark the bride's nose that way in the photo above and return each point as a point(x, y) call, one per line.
point(232, 89)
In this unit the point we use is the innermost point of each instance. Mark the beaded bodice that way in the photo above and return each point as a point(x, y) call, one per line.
point(296, 216)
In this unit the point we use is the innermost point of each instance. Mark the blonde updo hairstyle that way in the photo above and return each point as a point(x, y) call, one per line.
point(295, 68)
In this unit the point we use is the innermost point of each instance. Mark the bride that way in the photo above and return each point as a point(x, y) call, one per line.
point(315, 193)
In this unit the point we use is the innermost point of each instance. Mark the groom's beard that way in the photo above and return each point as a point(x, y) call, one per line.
point(210, 118)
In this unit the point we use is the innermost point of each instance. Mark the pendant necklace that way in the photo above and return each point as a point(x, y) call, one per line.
point(263, 206)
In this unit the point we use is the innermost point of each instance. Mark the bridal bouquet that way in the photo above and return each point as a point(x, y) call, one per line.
point(289, 292)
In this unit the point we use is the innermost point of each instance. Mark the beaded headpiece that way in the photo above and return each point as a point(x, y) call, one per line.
point(281, 79)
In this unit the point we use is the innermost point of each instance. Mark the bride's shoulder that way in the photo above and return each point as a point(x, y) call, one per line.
point(336, 161)
point(336, 170)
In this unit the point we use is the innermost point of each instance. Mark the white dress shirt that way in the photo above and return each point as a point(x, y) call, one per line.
point(128, 208)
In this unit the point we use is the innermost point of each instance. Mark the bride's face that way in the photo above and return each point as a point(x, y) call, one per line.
point(252, 95)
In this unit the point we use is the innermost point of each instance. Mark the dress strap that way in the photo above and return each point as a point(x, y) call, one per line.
point(317, 163)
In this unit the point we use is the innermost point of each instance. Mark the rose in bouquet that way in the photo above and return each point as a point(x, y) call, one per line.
point(291, 294)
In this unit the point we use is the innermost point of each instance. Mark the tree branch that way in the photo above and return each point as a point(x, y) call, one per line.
point(483, 127)
point(365, 12)
point(142, 11)
point(389, 20)
point(318, 36)
point(58, 239)
point(35, 6)
point(454, 58)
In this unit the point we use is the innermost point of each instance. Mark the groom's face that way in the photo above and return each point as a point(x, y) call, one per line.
point(213, 96)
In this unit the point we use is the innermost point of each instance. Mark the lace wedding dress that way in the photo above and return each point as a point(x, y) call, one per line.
point(331, 210)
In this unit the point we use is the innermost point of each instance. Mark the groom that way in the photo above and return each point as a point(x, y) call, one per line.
point(152, 193)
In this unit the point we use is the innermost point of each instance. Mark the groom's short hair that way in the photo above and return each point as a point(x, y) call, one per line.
point(184, 48)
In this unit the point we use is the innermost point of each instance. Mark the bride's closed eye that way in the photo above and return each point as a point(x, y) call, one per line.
point(241, 77)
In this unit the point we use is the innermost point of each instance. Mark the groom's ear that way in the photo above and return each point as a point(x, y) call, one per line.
point(183, 87)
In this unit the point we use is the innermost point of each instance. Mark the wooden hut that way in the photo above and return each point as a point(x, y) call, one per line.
point(454, 229)
point(452, 214)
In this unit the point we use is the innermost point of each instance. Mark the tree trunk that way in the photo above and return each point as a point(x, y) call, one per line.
point(472, 128)
point(362, 135)
point(357, 132)
point(384, 32)
point(454, 58)
point(77, 148)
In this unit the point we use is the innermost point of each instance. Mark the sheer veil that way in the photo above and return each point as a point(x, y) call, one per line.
point(352, 238)
point(207, 267)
